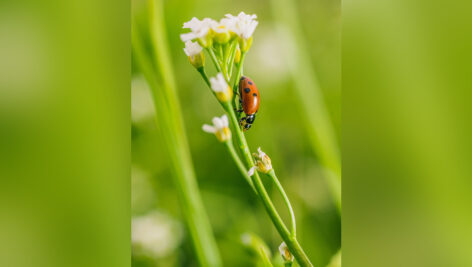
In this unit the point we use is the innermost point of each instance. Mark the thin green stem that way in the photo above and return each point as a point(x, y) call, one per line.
point(290, 240)
point(232, 54)
point(229, 145)
point(239, 71)
point(220, 51)
point(202, 72)
point(214, 59)
point(293, 225)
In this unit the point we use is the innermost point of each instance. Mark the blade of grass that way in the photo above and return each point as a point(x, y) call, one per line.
point(172, 129)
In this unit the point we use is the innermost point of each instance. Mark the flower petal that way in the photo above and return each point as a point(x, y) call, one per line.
point(187, 36)
point(209, 129)
point(251, 171)
point(217, 122)
point(224, 119)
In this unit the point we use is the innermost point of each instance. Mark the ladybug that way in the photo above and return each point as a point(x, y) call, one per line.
point(249, 100)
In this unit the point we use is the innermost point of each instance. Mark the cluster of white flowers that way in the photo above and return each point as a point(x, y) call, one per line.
point(205, 31)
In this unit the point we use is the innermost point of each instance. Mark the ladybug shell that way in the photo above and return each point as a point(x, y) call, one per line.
point(249, 95)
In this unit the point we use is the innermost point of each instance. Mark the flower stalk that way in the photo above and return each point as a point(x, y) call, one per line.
point(230, 52)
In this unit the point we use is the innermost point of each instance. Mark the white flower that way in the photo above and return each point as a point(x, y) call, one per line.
point(199, 29)
point(221, 88)
point(155, 235)
point(222, 31)
point(220, 128)
point(242, 25)
point(192, 48)
point(194, 52)
point(263, 163)
point(286, 255)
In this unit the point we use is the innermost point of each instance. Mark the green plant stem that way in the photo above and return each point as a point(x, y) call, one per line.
point(229, 145)
point(290, 240)
point(202, 72)
point(214, 59)
point(293, 225)
point(288, 237)
point(232, 54)
point(239, 72)
point(238, 76)
point(217, 62)
point(172, 128)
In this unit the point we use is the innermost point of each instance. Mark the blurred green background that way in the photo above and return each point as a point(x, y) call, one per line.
point(280, 129)
point(65, 135)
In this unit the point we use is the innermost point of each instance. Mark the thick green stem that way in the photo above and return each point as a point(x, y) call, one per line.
point(229, 145)
point(293, 225)
point(170, 121)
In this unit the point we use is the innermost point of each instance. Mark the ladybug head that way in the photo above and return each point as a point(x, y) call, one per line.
point(246, 122)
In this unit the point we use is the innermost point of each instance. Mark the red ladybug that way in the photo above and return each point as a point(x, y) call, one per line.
point(249, 99)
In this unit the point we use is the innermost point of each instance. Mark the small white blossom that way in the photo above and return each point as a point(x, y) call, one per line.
point(155, 235)
point(192, 48)
point(242, 25)
point(263, 163)
point(199, 29)
point(286, 255)
point(194, 52)
point(220, 128)
point(221, 88)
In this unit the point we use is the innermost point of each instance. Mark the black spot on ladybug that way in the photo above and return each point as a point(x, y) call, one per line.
point(247, 90)
point(254, 94)
point(249, 83)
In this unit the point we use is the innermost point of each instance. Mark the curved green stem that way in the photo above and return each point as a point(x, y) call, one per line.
point(293, 225)
point(289, 239)
point(229, 145)
point(214, 59)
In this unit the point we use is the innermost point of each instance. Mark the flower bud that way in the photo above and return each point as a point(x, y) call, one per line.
point(221, 34)
point(263, 162)
point(245, 44)
point(237, 56)
point(286, 254)
point(195, 54)
point(206, 41)
point(221, 88)
point(197, 61)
